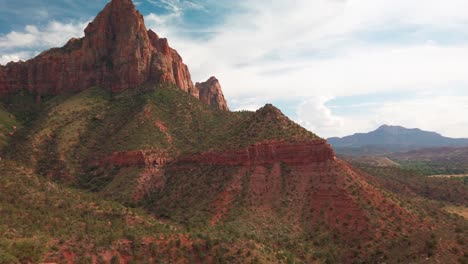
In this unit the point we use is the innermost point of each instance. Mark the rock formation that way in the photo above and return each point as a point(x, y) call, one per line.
point(117, 53)
point(138, 158)
point(269, 153)
point(317, 189)
point(211, 93)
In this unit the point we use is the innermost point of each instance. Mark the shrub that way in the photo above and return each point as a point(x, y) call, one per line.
point(28, 250)
point(115, 259)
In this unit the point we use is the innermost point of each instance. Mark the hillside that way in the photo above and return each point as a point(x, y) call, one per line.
point(43, 222)
point(160, 149)
point(445, 160)
point(8, 126)
point(74, 132)
point(390, 139)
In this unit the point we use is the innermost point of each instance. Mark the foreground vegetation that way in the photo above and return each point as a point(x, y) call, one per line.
point(46, 222)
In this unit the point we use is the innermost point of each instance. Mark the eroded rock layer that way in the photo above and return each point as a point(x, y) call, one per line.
point(269, 153)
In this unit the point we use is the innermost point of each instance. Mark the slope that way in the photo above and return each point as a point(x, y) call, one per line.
point(78, 133)
point(43, 222)
point(8, 126)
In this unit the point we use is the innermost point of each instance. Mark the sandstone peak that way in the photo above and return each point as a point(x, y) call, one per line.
point(211, 93)
point(116, 53)
point(116, 21)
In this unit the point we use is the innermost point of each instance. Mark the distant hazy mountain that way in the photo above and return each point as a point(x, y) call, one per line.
point(387, 139)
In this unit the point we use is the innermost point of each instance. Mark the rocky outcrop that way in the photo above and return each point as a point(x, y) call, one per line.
point(269, 153)
point(211, 93)
point(117, 53)
point(318, 190)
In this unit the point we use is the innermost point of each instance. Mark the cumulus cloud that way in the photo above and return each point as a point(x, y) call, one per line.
point(314, 115)
point(22, 45)
point(443, 114)
point(4, 59)
point(319, 49)
point(314, 46)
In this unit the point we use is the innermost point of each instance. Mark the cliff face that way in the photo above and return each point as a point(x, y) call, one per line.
point(269, 153)
point(211, 93)
point(116, 53)
point(318, 190)
point(138, 158)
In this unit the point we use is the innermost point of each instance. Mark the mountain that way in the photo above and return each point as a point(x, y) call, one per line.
point(111, 155)
point(387, 139)
point(254, 174)
point(116, 53)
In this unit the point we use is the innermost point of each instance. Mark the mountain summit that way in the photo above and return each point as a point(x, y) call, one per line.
point(116, 53)
point(393, 139)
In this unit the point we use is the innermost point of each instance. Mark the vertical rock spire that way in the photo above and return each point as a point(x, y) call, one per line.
point(212, 94)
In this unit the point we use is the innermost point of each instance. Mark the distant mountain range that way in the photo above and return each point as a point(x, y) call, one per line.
point(389, 139)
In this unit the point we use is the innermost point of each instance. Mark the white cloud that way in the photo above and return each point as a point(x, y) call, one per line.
point(443, 114)
point(22, 45)
point(4, 59)
point(315, 116)
point(315, 42)
point(247, 103)
point(333, 48)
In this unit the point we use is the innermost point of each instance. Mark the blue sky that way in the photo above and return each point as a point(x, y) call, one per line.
point(336, 67)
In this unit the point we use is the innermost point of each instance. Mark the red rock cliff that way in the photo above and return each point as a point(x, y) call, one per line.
point(139, 158)
point(117, 53)
point(211, 93)
point(269, 153)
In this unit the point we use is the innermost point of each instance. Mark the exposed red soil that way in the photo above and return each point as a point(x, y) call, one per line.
point(315, 187)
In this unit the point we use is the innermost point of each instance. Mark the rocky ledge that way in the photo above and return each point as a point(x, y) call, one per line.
point(268, 153)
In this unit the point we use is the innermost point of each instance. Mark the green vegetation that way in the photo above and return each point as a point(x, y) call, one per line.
point(33, 207)
point(435, 168)
point(404, 181)
point(67, 130)
point(67, 139)
point(41, 218)
point(61, 138)
point(8, 125)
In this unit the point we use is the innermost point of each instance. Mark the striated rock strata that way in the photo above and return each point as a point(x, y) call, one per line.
point(317, 189)
point(269, 153)
point(117, 53)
